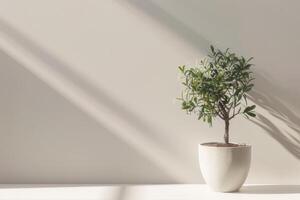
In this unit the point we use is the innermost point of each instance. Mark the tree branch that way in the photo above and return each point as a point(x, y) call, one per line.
point(234, 114)
point(221, 116)
point(224, 112)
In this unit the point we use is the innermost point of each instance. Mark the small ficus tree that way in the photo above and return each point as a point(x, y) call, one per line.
point(218, 87)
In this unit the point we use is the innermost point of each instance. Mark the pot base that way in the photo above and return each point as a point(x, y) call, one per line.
point(224, 168)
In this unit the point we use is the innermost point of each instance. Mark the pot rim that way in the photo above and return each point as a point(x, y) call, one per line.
point(240, 145)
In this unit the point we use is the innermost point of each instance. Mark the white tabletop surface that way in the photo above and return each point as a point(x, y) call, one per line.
point(145, 192)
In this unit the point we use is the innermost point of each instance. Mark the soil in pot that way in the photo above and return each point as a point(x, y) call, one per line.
point(219, 144)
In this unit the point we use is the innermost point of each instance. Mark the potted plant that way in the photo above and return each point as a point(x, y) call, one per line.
point(218, 87)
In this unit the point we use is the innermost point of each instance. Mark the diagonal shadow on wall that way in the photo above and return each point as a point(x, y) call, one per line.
point(266, 94)
point(196, 40)
point(201, 44)
point(161, 148)
point(41, 128)
point(270, 101)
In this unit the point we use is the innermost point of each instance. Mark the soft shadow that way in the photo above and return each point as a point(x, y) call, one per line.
point(122, 193)
point(22, 186)
point(144, 128)
point(272, 103)
point(62, 141)
point(198, 42)
point(116, 192)
point(270, 189)
point(66, 71)
point(266, 95)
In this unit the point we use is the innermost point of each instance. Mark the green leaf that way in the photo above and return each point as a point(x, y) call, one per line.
point(251, 114)
point(245, 99)
point(249, 59)
point(212, 49)
point(249, 108)
point(182, 68)
point(200, 115)
point(209, 120)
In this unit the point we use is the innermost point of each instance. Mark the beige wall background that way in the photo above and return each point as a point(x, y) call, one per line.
point(88, 88)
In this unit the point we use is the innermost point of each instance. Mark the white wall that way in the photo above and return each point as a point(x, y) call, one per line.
point(88, 88)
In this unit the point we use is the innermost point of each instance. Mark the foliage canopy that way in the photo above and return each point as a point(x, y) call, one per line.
point(218, 87)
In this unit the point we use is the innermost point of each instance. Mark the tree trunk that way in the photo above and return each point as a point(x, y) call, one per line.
point(226, 135)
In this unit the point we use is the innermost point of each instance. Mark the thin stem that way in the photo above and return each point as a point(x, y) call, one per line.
point(223, 110)
point(220, 115)
point(234, 114)
point(226, 135)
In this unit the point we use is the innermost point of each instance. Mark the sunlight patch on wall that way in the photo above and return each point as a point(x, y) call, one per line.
point(46, 67)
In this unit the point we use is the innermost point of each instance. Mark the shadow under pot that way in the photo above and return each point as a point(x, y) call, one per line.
point(224, 167)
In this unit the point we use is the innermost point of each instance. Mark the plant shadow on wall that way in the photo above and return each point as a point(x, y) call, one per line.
point(147, 139)
point(266, 96)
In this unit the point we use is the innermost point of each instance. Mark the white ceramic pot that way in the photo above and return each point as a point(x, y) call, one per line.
point(224, 169)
